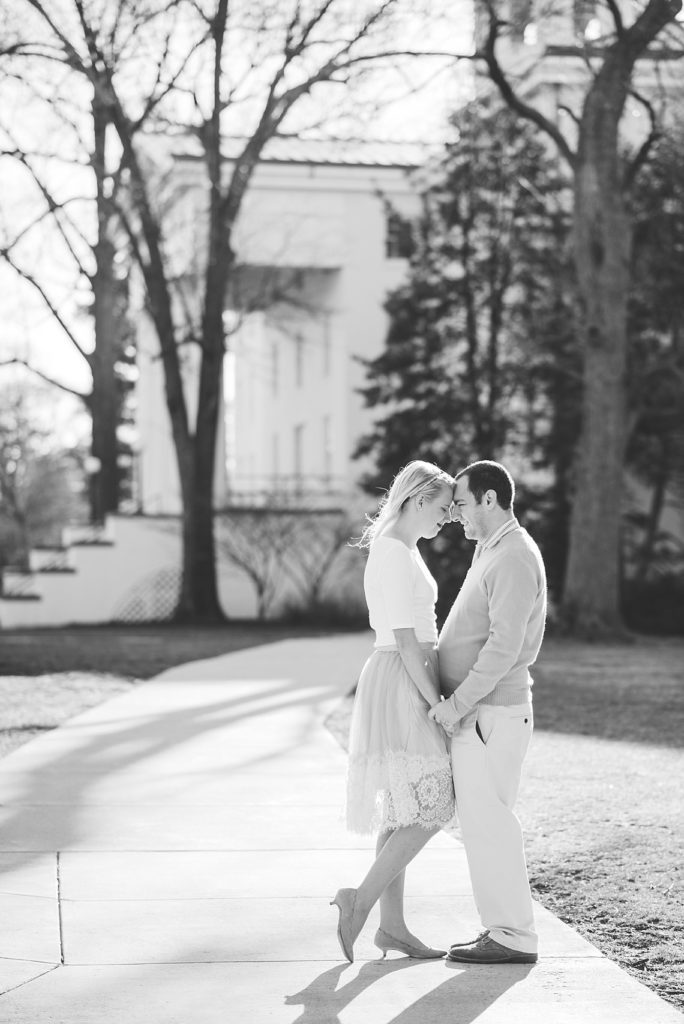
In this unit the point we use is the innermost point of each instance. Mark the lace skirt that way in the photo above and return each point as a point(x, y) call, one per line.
point(399, 764)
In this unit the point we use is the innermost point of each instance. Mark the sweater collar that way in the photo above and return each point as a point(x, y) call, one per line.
point(494, 538)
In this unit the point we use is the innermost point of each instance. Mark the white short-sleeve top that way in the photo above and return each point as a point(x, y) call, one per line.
point(400, 592)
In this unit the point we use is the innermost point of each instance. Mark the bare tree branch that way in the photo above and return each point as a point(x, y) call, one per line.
point(7, 256)
point(570, 112)
point(617, 17)
point(293, 49)
point(644, 151)
point(131, 234)
point(157, 95)
point(499, 78)
point(28, 228)
point(73, 58)
point(54, 208)
point(16, 361)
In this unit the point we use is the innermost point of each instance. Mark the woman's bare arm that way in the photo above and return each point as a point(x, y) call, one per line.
point(415, 663)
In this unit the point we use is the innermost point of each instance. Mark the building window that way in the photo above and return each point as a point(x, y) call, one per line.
point(327, 344)
point(398, 236)
point(299, 361)
point(275, 457)
point(327, 450)
point(275, 366)
point(298, 460)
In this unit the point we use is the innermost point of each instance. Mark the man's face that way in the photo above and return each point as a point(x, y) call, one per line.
point(469, 512)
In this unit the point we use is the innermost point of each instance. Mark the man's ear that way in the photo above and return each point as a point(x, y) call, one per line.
point(490, 498)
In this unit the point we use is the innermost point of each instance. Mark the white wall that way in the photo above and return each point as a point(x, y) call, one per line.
point(109, 580)
point(136, 577)
point(326, 223)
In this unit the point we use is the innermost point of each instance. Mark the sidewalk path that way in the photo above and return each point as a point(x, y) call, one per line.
point(168, 858)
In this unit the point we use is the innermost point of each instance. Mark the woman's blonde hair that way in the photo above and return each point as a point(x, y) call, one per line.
point(416, 478)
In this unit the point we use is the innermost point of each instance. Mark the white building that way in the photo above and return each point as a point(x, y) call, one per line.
point(318, 250)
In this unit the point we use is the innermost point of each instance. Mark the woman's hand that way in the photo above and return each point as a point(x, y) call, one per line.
point(446, 715)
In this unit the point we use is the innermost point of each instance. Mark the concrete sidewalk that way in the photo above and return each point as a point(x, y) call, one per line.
point(168, 858)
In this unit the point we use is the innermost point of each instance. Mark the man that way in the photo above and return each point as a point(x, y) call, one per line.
point(490, 638)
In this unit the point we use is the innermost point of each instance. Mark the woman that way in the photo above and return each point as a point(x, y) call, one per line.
point(399, 777)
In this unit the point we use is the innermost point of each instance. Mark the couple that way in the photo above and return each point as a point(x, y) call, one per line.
point(403, 781)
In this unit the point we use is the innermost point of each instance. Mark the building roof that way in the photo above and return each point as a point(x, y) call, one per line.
point(331, 152)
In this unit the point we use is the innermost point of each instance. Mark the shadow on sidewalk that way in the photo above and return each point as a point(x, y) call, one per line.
point(459, 999)
point(126, 746)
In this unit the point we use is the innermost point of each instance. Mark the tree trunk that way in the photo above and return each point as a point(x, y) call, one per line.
point(590, 604)
point(602, 237)
point(591, 598)
point(104, 408)
point(199, 600)
point(104, 403)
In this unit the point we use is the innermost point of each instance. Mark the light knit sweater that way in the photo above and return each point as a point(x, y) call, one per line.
point(494, 630)
point(400, 592)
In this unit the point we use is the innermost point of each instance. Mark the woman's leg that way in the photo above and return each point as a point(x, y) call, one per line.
point(395, 850)
point(392, 897)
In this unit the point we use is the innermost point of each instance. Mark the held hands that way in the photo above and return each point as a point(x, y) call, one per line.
point(446, 715)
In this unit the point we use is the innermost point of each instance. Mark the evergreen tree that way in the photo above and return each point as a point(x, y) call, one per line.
point(480, 344)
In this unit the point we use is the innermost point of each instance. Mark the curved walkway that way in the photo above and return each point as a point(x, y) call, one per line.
point(168, 858)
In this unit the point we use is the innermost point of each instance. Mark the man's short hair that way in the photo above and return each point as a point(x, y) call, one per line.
point(486, 476)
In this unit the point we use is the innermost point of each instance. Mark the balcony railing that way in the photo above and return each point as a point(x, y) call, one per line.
point(290, 491)
point(88, 535)
point(18, 584)
point(50, 559)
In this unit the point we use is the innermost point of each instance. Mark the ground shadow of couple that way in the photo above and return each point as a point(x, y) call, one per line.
point(461, 998)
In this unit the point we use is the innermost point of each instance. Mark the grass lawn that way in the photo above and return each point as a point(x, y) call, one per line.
point(601, 800)
point(602, 804)
point(49, 675)
point(136, 652)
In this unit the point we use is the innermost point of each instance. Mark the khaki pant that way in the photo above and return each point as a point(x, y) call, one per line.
point(487, 754)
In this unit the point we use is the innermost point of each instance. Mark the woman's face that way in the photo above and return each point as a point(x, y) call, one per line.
point(435, 511)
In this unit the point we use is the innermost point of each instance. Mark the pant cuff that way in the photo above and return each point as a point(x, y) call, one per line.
point(521, 944)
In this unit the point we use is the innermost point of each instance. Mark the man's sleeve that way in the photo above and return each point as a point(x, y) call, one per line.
point(512, 587)
point(396, 587)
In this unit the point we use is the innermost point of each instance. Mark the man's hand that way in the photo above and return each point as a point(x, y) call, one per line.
point(446, 715)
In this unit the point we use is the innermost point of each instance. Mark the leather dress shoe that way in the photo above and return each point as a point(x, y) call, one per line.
point(488, 951)
point(469, 942)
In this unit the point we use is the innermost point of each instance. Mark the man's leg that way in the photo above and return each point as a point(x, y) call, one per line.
point(487, 758)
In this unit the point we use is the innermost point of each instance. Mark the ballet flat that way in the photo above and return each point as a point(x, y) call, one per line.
point(344, 900)
point(385, 942)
